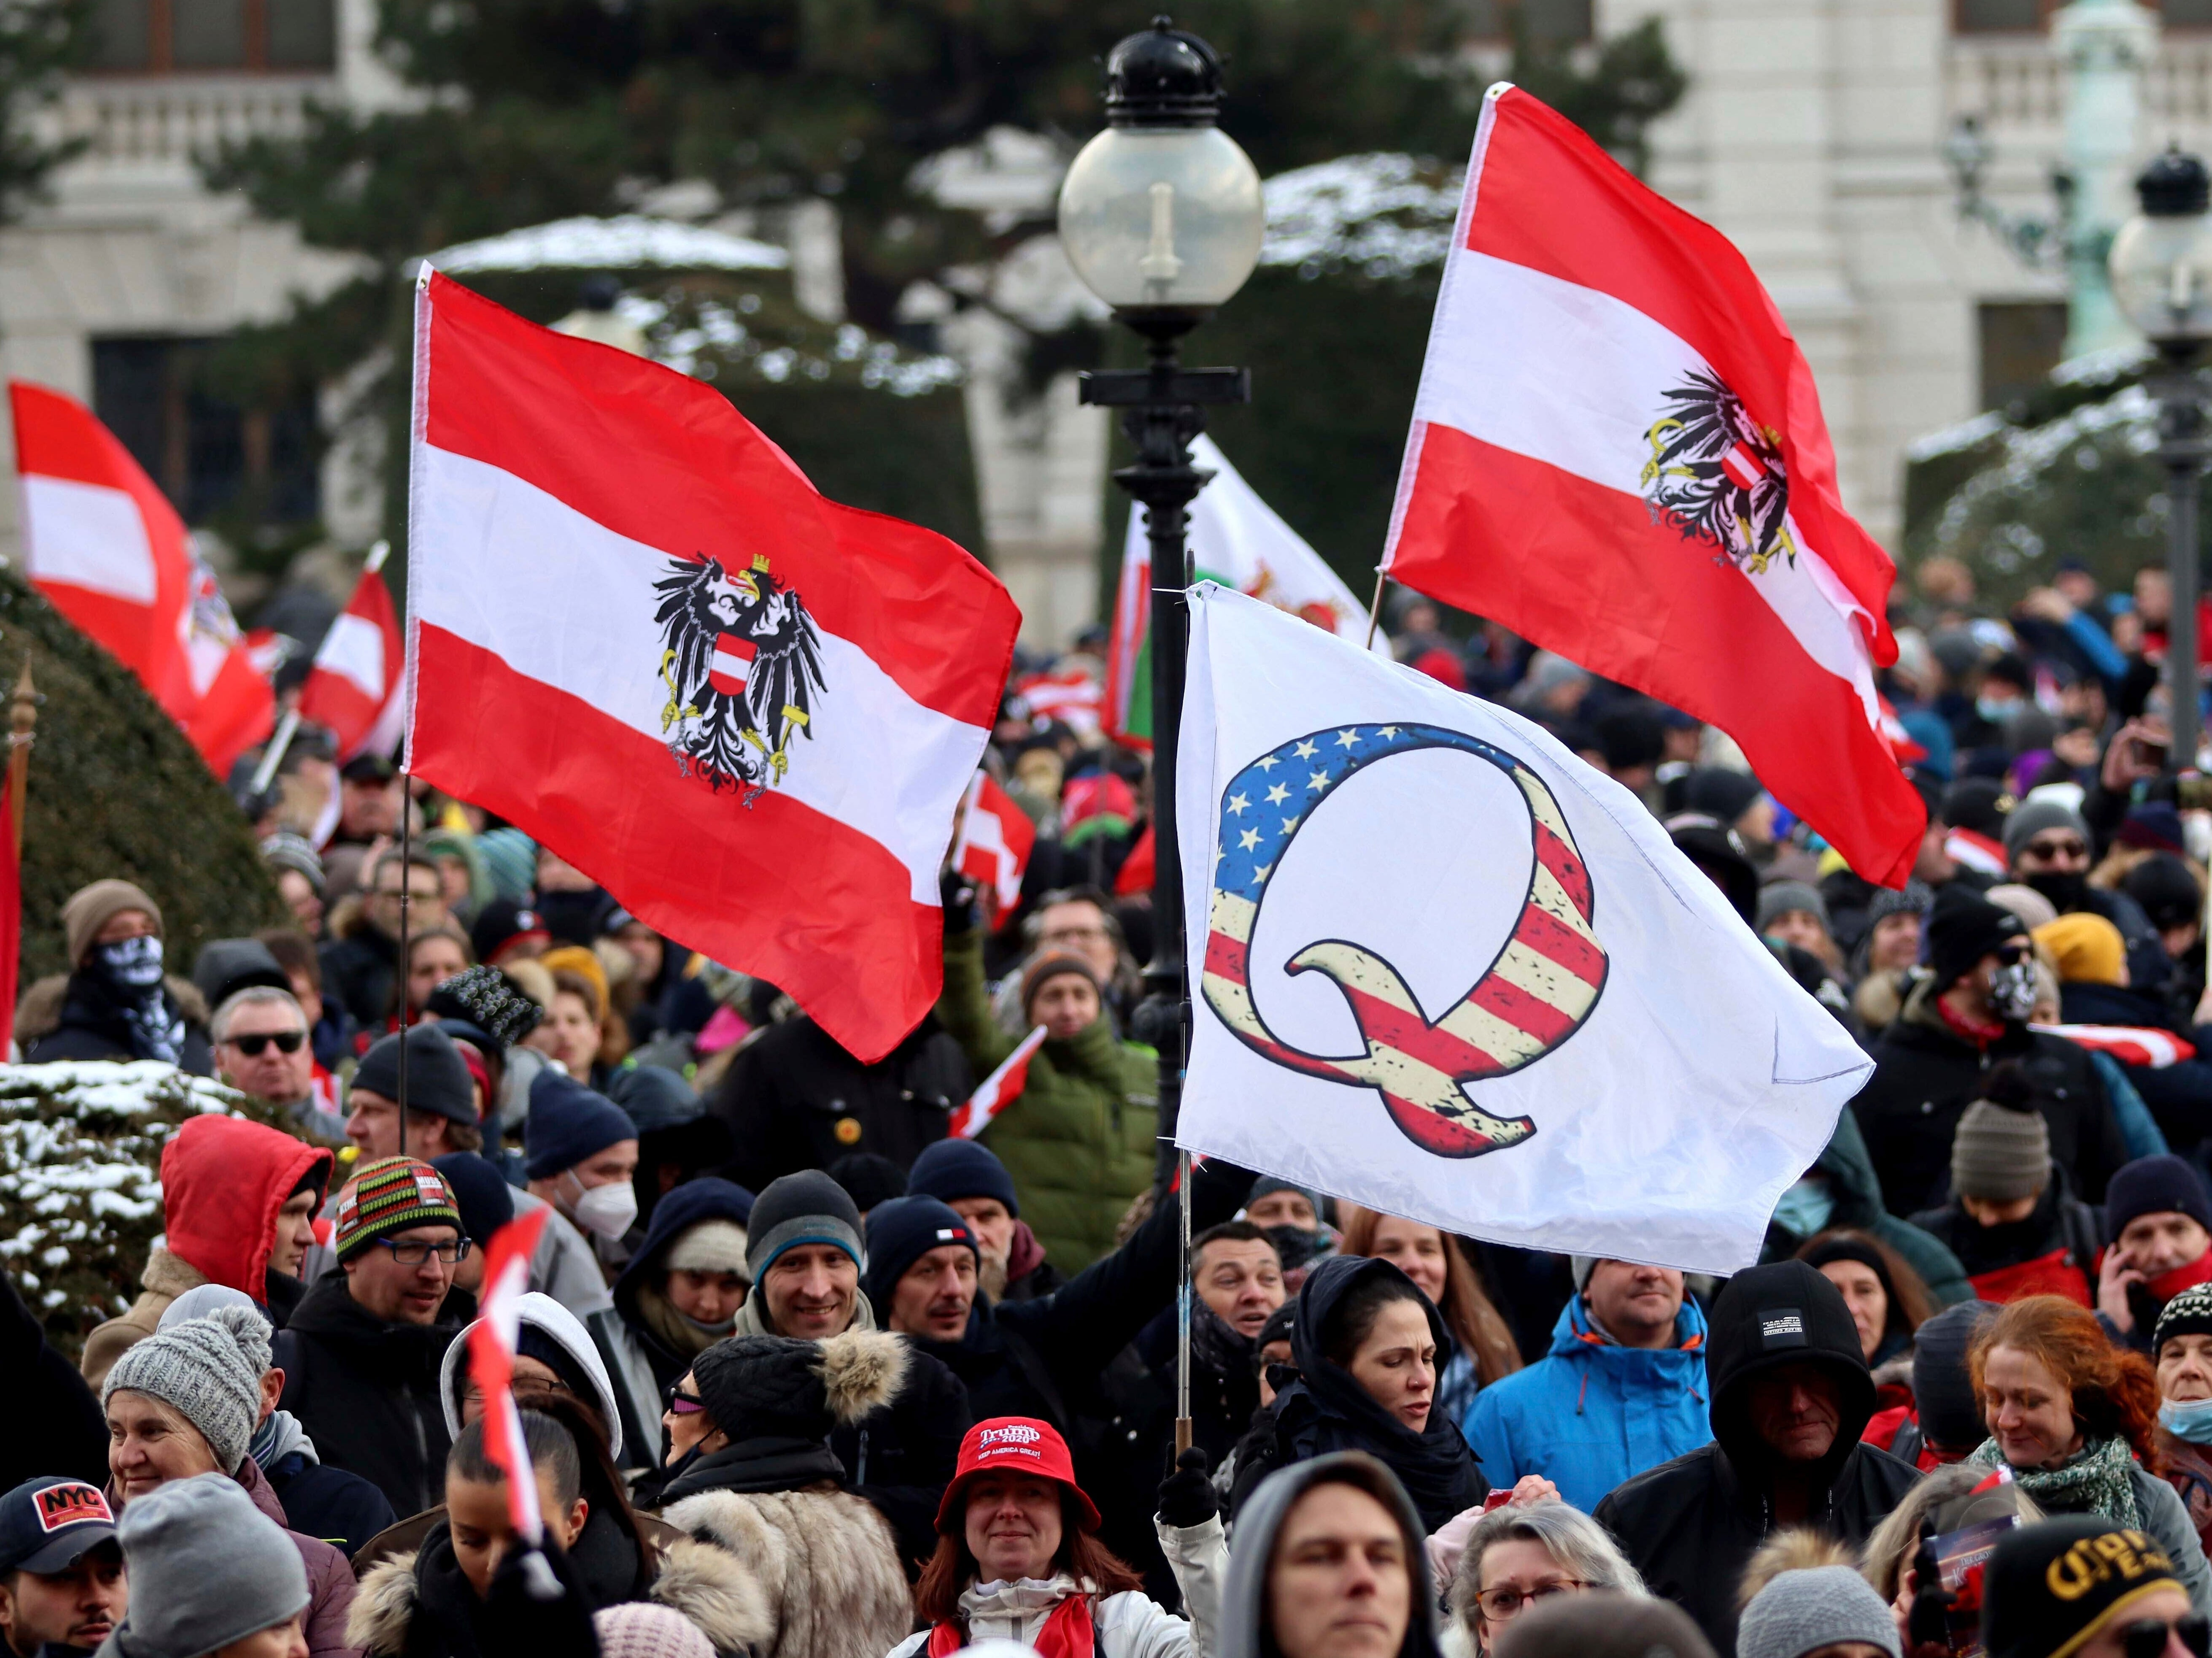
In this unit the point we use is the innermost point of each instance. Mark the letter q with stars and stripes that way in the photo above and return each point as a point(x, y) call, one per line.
point(1446, 969)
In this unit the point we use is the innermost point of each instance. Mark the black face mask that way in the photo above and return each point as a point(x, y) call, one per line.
point(2065, 887)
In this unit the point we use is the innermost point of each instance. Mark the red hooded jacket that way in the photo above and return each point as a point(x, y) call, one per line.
point(223, 1180)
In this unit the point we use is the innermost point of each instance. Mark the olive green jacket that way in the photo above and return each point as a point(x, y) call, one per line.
point(1079, 1138)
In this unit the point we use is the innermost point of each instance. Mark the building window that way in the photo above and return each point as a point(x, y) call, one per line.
point(2021, 343)
point(161, 37)
point(2029, 16)
point(220, 462)
point(1550, 22)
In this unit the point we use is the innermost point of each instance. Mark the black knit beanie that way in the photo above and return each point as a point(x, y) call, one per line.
point(1950, 1413)
point(758, 1387)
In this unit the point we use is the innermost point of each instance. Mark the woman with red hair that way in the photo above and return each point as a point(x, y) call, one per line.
point(1016, 1560)
point(2075, 1418)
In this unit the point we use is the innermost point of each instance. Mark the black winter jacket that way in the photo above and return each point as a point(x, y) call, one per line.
point(2179, 1096)
point(39, 1386)
point(1688, 1525)
point(1925, 1077)
point(366, 1391)
point(2059, 1222)
point(794, 1099)
point(900, 1457)
point(359, 971)
point(93, 1027)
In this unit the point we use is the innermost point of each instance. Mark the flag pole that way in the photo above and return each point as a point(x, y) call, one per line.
point(1374, 609)
point(406, 897)
point(1182, 1429)
point(273, 756)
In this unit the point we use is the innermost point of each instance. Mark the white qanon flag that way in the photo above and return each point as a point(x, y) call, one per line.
point(1444, 967)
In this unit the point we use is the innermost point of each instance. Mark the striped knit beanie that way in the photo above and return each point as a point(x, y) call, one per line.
point(389, 1195)
point(2189, 1314)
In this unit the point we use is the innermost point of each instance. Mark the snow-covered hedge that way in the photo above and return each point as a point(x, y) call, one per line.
point(80, 1180)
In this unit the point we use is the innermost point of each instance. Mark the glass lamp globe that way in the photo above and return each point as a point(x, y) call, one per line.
point(1162, 212)
point(2161, 259)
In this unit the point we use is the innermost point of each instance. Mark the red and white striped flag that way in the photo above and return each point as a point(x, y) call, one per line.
point(1983, 853)
point(996, 1092)
point(1617, 452)
point(106, 548)
point(492, 1341)
point(2145, 1046)
point(1901, 744)
point(996, 838)
point(355, 688)
point(637, 632)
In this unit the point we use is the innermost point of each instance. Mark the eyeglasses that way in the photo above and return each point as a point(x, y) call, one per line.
point(415, 1251)
point(256, 1043)
point(2069, 847)
point(683, 1403)
point(2147, 1638)
point(1072, 935)
point(1499, 1604)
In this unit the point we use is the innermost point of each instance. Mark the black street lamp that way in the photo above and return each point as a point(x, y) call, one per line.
point(2161, 270)
point(1162, 217)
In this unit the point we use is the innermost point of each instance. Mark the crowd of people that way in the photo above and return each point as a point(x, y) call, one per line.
point(801, 1375)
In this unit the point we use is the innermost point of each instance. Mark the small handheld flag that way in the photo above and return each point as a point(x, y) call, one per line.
point(491, 1363)
point(999, 1090)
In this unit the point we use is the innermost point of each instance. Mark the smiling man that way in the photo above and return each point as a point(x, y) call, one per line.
point(1790, 1395)
point(360, 1356)
point(1622, 1390)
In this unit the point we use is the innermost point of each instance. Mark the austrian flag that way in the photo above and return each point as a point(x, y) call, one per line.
point(640, 634)
point(1618, 452)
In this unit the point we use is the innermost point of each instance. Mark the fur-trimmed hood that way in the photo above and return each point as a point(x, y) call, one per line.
point(707, 1585)
point(824, 1559)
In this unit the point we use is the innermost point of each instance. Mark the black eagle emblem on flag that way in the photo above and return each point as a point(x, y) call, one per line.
point(742, 665)
point(1717, 476)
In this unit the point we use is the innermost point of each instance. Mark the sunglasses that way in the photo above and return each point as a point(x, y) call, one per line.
point(683, 1403)
point(2069, 847)
point(254, 1045)
point(2147, 1638)
point(2010, 955)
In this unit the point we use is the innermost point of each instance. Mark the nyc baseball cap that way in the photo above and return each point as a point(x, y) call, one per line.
point(1013, 1444)
point(48, 1524)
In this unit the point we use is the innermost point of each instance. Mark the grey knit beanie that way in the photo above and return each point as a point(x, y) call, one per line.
point(206, 1568)
point(1778, 898)
point(1999, 1153)
point(1818, 1606)
point(2031, 817)
point(209, 1369)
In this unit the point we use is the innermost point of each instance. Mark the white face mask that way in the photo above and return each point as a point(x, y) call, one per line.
point(608, 1210)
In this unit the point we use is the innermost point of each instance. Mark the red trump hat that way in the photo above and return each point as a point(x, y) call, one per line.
point(1018, 1445)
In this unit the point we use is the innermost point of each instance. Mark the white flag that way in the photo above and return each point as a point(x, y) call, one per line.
point(1444, 967)
point(1238, 540)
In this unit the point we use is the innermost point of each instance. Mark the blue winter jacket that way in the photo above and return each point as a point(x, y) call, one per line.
point(1591, 1413)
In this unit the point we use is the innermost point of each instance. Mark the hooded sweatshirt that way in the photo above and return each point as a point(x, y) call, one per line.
point(1327, 1410)
point(223, 1180)
point(1592, 1412)
point(1688, 1525)
point(640, 1292)
point(1244, 1598)
point(548, 1316)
